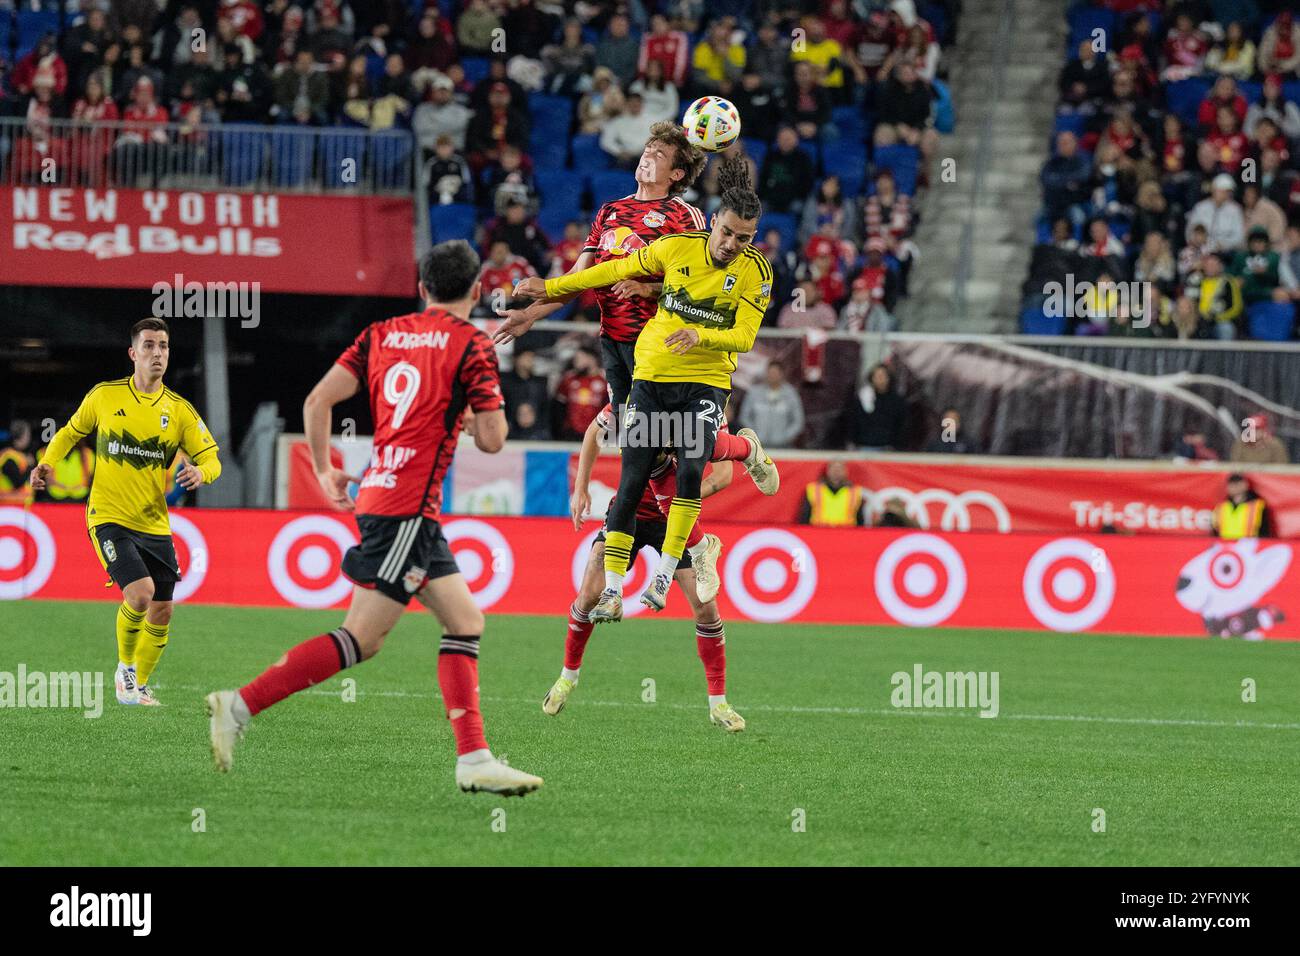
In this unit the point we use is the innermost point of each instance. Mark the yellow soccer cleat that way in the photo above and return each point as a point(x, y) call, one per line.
point(557, 696)
point(705, 565)
point(608, 608)
point(759, 465)
point(725, 716)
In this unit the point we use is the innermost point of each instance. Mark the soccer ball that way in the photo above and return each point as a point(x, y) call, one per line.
point(712, 123)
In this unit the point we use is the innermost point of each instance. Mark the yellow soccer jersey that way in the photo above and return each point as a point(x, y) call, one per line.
point(725, 305)
point(138, 437)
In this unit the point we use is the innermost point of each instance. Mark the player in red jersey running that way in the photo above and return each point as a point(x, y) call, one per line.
point(421, 372)
point(651, 525)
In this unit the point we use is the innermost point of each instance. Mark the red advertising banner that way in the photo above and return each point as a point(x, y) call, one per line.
point(131, 238)
point(1147, 584)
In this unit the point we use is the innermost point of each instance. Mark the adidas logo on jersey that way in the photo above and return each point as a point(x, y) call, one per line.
point(120, 411)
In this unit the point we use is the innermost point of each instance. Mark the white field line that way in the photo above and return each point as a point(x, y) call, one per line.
point(971, 713)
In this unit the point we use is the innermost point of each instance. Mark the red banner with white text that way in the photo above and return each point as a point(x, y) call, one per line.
point(133, 238)
point(1143, 584)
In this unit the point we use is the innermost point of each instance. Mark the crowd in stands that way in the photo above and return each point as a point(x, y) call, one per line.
point(1175, 163)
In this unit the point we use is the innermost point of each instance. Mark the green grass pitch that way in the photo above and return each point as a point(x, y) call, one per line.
point(1152, 731)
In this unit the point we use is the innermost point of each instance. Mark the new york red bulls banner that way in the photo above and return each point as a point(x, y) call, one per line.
point(130, 238)
point(1144, 584)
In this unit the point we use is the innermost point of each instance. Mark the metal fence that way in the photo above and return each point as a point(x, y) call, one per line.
point(231, 156)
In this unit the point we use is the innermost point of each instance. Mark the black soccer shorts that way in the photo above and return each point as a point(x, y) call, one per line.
point(397, 555)
point(129, 555)
point(707, 403)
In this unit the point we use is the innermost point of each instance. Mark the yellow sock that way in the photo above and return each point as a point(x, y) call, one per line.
point(618, 552)
point(128, 631)
point(681, 518)
point(151, 648)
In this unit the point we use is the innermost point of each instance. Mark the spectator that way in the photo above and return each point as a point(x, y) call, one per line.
point(1187, 320)
point(1228, 140)
point(84, 44)
point(528, 26)
point(894, 515)
point(1225, 225)
point(904, 112)
point(877, 414)
point(1099, 305)
point(449, 176)
point(1242, 513)
point(768, 58)
point(919, 49)
point(826, 58)
point(1066, 179)
point(523, 235)
point(601, 103)
point(774, 409)
point(16, 464)
point(1193, 447)
point(877, 284)
point(43, 56)
point(1234, 55)
point(787, 175)
point(784, 264)
point(659, 99)
point(498, 73)
point(806, 310)
point(618, 50)
point(1152, 214)
point(951, 440)
point(1279, 48)
point(506, 181)
point(1086, 78)
point(829, 200)
point(502, 271)
point(302, 82)
point(1262, 212)
point(1185, 49)
point(1155, 263)
point(95, 145)
point(1260, 270)
point(1192, 254)
point(579, 397)
point(827, 241)
point(758, 103)
point(440, 115)
point(886, 212)
point(244, 95)
point(143, 138)
point(330, 40)
point(522, 387)
point(1258, 445)
point(476, 28)
point(1291, 247)
point(493, 129)
point(669, 46)
point(717, 62)
point(570, 62)
point(243, 17)
point(1100, 242)
point(526, 426)
point(1218, 298)
point(708, 182)
point(1272, 103)
point(808, 106)
point(434, 47)
point(833, 501)
point(624, 136)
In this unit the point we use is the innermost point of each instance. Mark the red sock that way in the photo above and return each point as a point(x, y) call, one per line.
point(575, 641)
point(711, 642)
point(309, 663)
point(729, 447)
point(458, 679)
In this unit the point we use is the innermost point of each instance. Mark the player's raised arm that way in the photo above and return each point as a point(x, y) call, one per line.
point(204, 465)
point(647, 261)
point(338, 385)
point(518, 321)
point(83, 421)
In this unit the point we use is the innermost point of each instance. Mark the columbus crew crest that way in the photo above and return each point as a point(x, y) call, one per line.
point(165, 419)
point(110, 551)
point(728, 283)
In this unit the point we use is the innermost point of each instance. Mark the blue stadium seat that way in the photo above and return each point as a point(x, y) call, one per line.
point(1183, 98)
point(391, 156)
point(1074, 123)
point(1291, 90)
point(607, 184)
point(292, 155)
point(1271, 321)
point(476, 68)
point(335, 150)
point(810, 147)
point(755, 149)
point(548, 112)
point(847, 161)
point(587, 154)
point(242, 153)
point(1034, 322)
point(1042, 230)
point(904, 162)
point(1250, 89)
point(553, 219)
point(453, 221)
point(561, 189)
point(785, 224)
point(549, 153)
point(1083, 21)
point(32, 25)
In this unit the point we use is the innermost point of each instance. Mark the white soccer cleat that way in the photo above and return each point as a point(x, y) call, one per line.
point(124, 681)
point(725, 716)
point(705, 564)
point(147, 699)
point(759, 465)
point(226, 729)
point(608, 608)
point(655, 596)
point(557, 696)
point(495, 776)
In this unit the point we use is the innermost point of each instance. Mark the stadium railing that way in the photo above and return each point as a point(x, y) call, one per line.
point(205, 157)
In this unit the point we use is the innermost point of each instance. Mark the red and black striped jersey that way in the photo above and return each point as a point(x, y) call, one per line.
point(421, 371)
point(621, 227)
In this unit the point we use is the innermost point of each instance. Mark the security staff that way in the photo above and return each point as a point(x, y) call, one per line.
point(1243, 514)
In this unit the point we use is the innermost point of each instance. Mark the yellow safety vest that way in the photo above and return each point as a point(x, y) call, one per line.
point(1240, 521)
point(8, 493)
point(833, 509)
point(72, 475)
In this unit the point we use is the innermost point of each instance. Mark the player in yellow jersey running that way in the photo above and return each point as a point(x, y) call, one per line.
point(715, 291)
point(141, 426)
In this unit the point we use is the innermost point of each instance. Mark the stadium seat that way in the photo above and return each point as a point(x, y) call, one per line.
point(1075, 123)
point(561, 189)
point(847, 161)
point(336, 148)
point(292, 155)
point(904, 162)
point(32, 25)
point(607, 184)
point(1271, 321)
point(785, 224)
point(553, 219)
point(587, 154)
point(243, 152)
point(1083, 21)
point(1183, 98)
point(476, 68)
point(391, 156)
point(453, 221)
point(1034, 322)
point(755, 149)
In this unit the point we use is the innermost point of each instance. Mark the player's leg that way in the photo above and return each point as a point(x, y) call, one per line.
point(448, 597)
point(758, 463)
point(711, 645)
point(705, 549)
point(153, 639)
point(618, 359)
point(579, 630)
point(117, 552)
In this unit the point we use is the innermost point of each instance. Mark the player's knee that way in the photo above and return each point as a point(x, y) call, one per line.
point(160, 612)
point(369, 643)
point(467, 620)
point(138, 594)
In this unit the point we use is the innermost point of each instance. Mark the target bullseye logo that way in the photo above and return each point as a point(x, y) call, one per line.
point(191, 555)
point(303, 561)
point(920, 580)
point(1069, 584)
point(484, 557)
point(770, 575)
point(27, 554)
point(638, 575)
